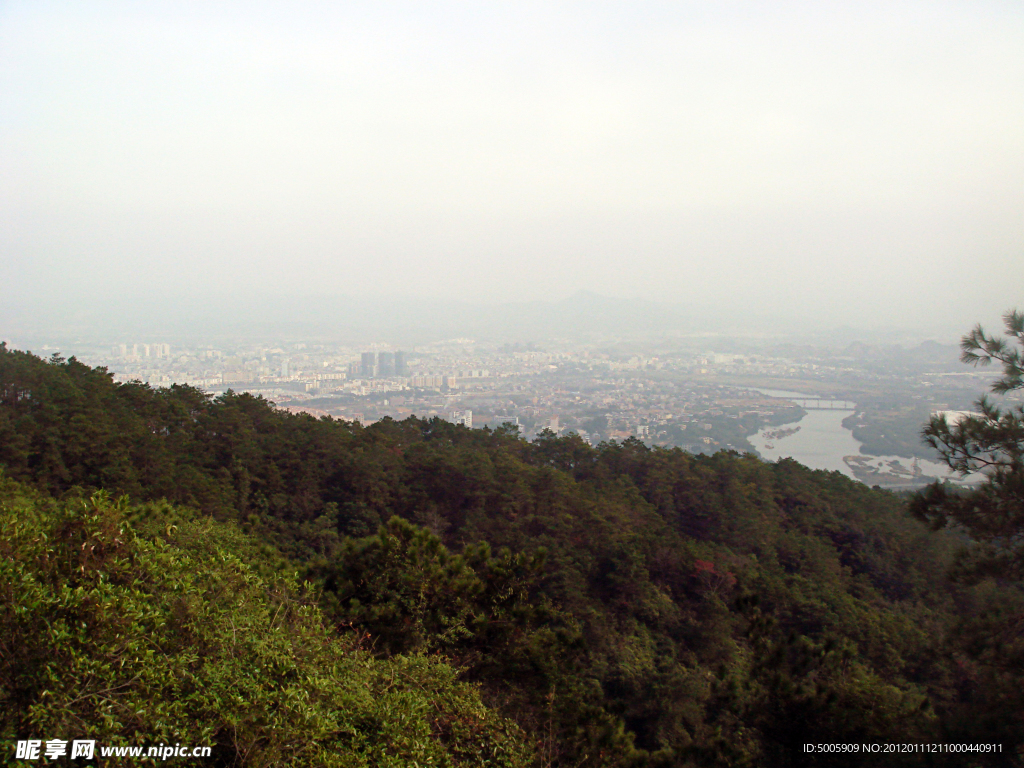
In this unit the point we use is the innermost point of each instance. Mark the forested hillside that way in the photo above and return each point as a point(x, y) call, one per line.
point(141, 637)
point(620, 605)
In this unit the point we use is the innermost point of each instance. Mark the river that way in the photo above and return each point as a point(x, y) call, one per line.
point(822, 442)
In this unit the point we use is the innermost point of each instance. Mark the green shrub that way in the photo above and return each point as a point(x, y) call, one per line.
point(129, 640)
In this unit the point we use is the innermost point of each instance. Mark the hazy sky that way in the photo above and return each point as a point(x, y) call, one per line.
point(846, 161)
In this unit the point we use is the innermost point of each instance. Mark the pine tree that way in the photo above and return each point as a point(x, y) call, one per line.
point(992, 442)
point(990, 633)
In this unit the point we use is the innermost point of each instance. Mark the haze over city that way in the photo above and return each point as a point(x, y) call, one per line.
point(842, 164)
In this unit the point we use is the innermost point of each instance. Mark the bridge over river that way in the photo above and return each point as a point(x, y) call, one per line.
point(822, 404)
point(808, 402)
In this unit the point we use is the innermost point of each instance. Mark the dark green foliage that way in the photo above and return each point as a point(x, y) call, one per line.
point(626, 605)
point(405, 572)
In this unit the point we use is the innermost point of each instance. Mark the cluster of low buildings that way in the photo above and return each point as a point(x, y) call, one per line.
point(598, 394)
point(668, 394)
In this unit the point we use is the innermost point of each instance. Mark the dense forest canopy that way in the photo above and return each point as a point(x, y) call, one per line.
point(586, 606)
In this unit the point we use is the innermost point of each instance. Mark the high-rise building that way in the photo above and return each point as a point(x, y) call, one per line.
point(401, 366)
point(512, 420)
point(386, 364)
point(368, 368)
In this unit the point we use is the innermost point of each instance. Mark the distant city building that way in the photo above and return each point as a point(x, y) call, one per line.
point(463, 417)
point(457, 379)
point(368, 367)
point(141, 350)
point(513, 420)
point(401, 364)
point(427, 382)
point(386, 364)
